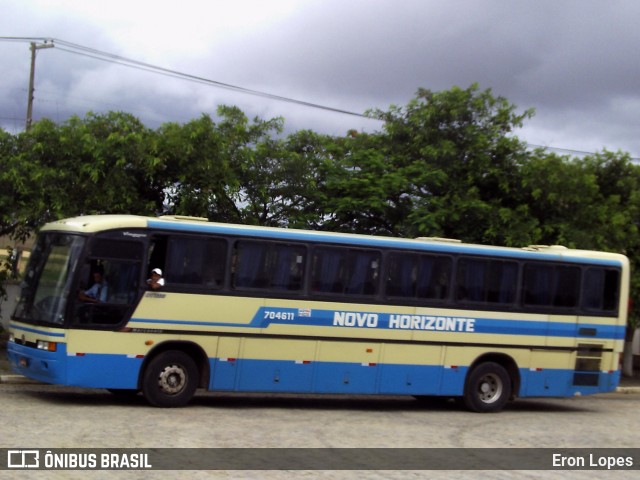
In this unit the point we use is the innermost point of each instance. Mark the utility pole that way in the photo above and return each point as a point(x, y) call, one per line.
point(32, 75)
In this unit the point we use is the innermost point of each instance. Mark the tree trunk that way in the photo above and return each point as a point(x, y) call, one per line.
point(627, 356)
point(627, 360)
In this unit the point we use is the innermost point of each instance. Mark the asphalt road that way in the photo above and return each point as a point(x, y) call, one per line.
point(42, 416)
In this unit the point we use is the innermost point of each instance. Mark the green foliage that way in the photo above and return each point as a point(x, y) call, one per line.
point(208, 168)
point(100, 164)
point(446, 164)
point(5, 275)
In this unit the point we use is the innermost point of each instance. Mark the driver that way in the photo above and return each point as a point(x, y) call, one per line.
point(98, 291)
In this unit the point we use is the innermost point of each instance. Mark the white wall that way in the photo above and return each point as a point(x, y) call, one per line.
point(7, 306)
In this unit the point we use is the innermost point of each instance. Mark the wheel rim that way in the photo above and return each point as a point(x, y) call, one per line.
point(172, 379)
point(490, 388)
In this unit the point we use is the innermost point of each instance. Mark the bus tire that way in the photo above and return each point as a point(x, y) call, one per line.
point(488, 388)
point(170, 379)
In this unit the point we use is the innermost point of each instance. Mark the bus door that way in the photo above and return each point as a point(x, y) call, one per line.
point(107, 283)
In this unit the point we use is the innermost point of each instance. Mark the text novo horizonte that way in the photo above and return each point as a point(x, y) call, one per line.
point(404, 322)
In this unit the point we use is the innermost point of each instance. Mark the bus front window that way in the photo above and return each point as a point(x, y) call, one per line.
point(47, 282)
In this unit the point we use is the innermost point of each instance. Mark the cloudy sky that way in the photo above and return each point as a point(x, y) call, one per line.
point(574, 61)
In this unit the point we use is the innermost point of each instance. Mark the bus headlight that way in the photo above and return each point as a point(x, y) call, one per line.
point(48, 346)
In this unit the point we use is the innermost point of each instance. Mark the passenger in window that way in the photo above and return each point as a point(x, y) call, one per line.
point(210, 277)
point(156, 281)
point(99, 290)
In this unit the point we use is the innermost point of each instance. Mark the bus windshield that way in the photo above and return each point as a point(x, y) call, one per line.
point(47, 282)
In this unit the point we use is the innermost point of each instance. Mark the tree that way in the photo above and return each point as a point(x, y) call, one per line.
point(12, 188)
point(280, 182)
point(204, 163)
point(365, 190)
point(444, 165)
point(99, 164)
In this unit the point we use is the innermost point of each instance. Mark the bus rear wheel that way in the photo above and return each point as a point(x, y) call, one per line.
point(170, 379)
point(488, 388)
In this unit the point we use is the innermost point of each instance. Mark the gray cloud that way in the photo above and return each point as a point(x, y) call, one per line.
point(573, 61)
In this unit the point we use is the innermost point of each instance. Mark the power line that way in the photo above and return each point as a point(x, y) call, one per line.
point(76, 49)
point(100, 55)
point(572, 151)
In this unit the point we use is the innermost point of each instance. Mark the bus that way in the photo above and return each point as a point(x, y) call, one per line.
point(263, 309)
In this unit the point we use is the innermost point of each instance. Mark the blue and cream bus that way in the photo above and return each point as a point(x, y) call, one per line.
point(256, 309)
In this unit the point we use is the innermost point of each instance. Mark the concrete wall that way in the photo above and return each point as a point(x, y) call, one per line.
point(7, 306)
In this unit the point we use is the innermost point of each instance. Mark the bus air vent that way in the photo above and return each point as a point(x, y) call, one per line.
point(545, 247)
point(184, 218)
point(439, 239)
point(588, 365)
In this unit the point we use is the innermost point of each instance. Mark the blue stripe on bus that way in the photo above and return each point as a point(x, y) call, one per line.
point(265, 316)
point(118, 371)
point(379, 242)
point(384, 379)
point(36, 331)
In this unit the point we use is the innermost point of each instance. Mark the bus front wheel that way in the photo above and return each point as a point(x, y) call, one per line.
point(488, 388)
point(170, 379)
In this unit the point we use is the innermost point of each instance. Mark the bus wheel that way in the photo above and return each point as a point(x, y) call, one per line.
point(488, 388)
point(170, 379)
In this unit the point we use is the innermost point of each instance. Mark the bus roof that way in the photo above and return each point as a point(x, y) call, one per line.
point(98, 223)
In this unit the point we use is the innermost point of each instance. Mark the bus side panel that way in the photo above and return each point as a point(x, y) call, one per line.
point(347, 367)
point(550, 382)
point(256, 375)
point(104, 359)
point(275, 376)
point(100, 370)
point(279, 365)
point(224, 368)
point(549, 374)
point(555, 382)
point(410, 370)
point(410, 379)
point(343, 377)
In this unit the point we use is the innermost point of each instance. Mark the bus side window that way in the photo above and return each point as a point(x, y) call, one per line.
point(471, 279)
point(401, 275)
point(567, 287)
point(350, 272)
point(537, 281)
point(326, 272)
point(273, 266)
point(547, 285)
point(600, 289)
point(197, 262)
point(424, 277)
point(434, 277)
point(157, 254)
point(287, 267)
point(488, 281)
